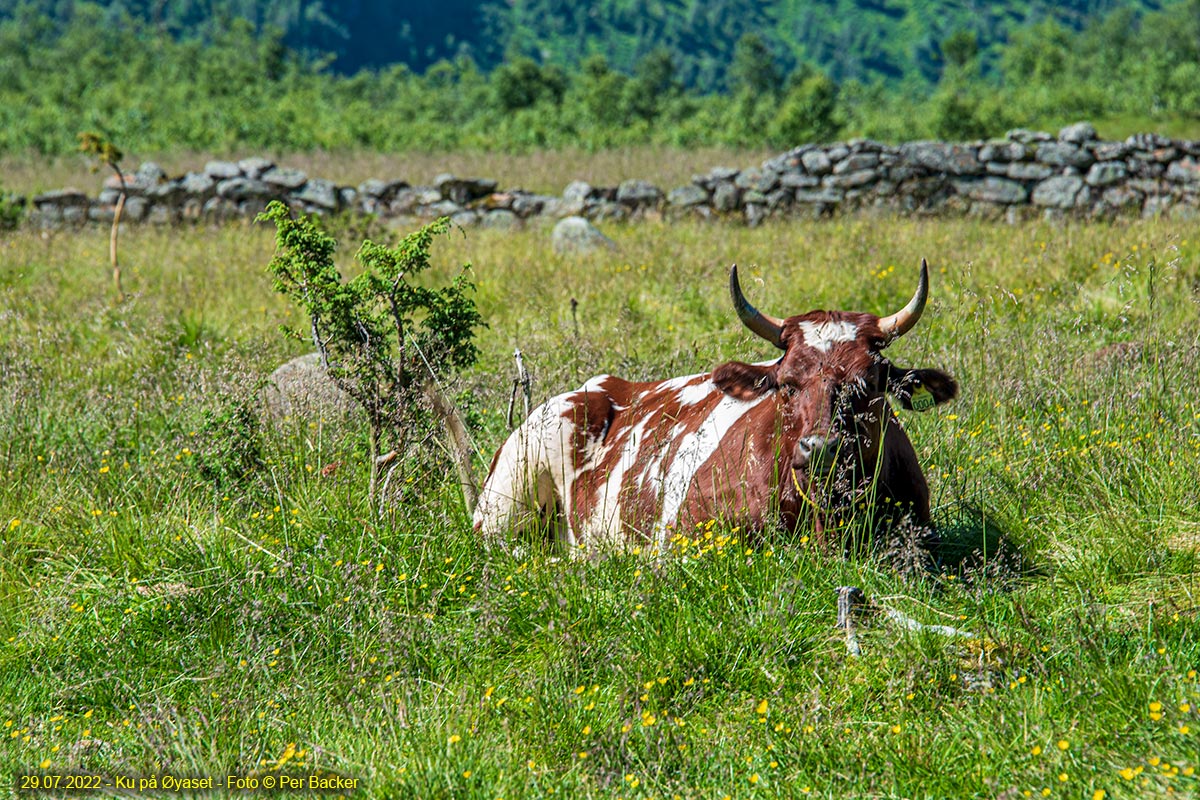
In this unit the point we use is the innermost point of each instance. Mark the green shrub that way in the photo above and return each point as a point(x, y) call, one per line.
point(230, 444)
point(12, 210)
point(386, 341)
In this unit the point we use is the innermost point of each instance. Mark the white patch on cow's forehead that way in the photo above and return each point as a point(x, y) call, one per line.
point(695, 449)
point(824, 335)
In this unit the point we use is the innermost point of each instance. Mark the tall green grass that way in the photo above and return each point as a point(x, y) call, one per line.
point(152, 620)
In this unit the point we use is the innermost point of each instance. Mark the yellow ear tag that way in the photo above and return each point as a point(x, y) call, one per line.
point(922, 399)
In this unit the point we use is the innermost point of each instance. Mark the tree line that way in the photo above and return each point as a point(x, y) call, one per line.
point(242, 85)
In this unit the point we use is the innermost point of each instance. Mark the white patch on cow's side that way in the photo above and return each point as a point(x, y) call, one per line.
point(535, 472)
point(605, 528)
point(695, 393)
point(824, 335)
point(671, 384)
point(595, 384)
point(694, 450)
point(652, 473)
point(531, 470)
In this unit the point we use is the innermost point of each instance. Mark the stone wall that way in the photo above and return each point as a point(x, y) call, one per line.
point(1027, 173)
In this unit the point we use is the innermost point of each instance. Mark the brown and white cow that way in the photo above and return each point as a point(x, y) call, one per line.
point(617, 462)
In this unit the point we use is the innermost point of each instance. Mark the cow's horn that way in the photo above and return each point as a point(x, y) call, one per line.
point(902, 321)
point(767, 327)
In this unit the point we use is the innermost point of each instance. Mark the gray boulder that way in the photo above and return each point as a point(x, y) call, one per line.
point(1148, 141)
point(849, 180)
point(687, 196)
point(993, 190)
point(501, 219)
point(816, 162)
point(219, 209)
point(463, 190)
point(1028, 171)
point(166, 192)
point(1078, 133)
point(319, 193)
point(1064, 154)
point(1185, 170)
point(577, 235)
point(828, 196)
point(798, 180)
point(135, 209)
point(1062, 191)
point(1002, 151)
point(286, 179)
point(715, 176)
point(1103, 173)
point(222, 170)
point(61, 198)
point(578, 191)
point(302, 389)
point(382, 191)
point(162, 214)
point(444, 208)
point(857, 162)
point(1026, 136)
point(255, 166)
point(638, 193)
point(525, 204)
point(559, 207)
point(1122, 198)
point(609, 210)
point(748, 179)
point(244, 189)
point(198, 184)
point(952, 159)
point(1110, 151)
point(726, 197)
point(150, 174)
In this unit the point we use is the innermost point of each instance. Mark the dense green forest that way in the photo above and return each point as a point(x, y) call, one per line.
point(859, 39)
point(289, 74)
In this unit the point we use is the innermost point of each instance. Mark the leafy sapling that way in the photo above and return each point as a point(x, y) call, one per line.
point(96, 145)
point(387, 342)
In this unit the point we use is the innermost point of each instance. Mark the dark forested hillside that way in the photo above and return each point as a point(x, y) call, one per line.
point(529, 74)
point(859, 39)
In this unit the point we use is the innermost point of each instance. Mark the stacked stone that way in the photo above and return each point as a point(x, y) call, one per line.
point(1025, 173)
point(1021, 175)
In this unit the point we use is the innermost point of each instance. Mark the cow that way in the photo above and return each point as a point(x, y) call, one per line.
point(809, 436)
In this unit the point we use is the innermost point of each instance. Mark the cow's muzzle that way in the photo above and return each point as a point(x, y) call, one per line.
point(817, 454)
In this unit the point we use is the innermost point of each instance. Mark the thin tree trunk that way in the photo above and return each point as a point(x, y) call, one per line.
point(112, 245)
point(459, 443)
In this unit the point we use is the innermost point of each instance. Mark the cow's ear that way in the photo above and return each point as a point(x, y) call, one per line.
point(922, 389)
point(745, 381)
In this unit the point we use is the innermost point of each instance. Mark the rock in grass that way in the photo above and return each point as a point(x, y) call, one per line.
point(577, 235)
point(301, 389)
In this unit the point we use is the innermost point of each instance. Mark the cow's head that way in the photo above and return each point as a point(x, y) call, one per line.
point(833, 379)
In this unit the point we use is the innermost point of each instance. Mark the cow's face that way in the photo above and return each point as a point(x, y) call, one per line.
point(833, 380)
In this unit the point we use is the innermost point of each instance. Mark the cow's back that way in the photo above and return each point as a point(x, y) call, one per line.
point(618, 461)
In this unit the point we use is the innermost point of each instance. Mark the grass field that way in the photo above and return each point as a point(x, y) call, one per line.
point(152, 621)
